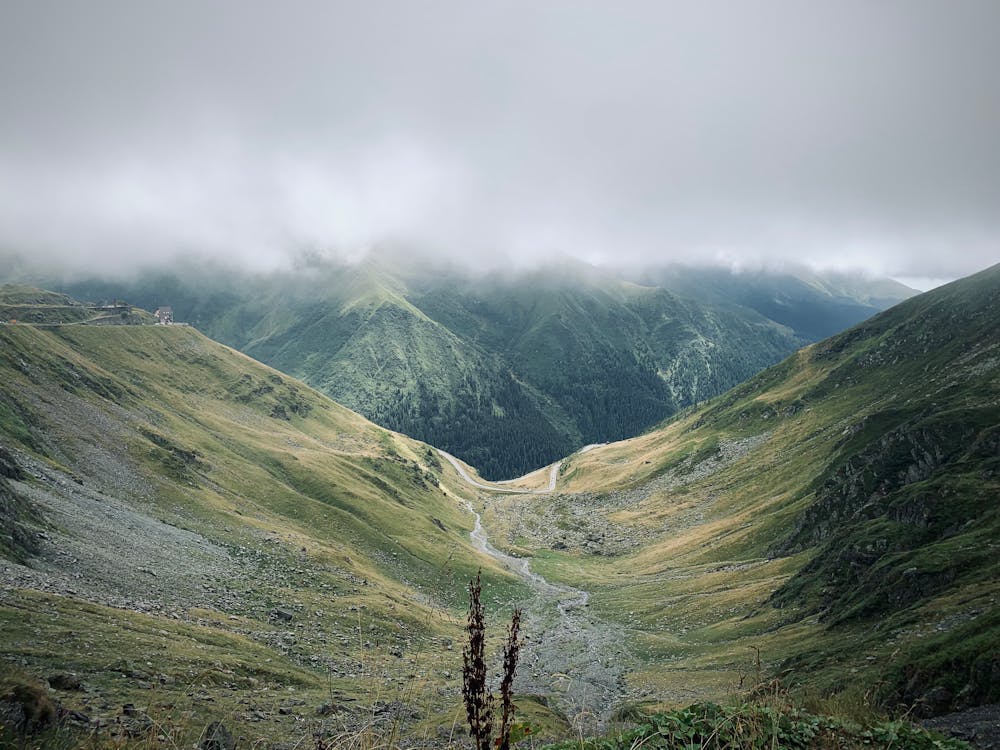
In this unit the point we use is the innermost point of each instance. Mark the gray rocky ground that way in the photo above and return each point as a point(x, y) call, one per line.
point(575, 658)
point(979, 726)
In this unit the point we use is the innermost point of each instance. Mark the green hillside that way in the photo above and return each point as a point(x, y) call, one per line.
point(26, 304)
point(509, 371)
point(836, 514)
point(189, 531)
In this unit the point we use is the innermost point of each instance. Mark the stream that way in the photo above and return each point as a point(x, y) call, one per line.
point(576, 660)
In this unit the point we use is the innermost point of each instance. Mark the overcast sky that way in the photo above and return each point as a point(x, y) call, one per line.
point(839, 133)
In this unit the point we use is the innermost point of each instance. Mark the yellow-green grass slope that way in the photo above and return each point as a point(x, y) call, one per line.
point(199, 535)
point(837, 515)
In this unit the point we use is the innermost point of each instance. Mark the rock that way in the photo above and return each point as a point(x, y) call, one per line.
point(281, 614)
point(65, 681)
point(9, 467)
point(216, 737)
point(27, 708)
point(935, 701)
point(979, 726)
point(76, 717)
point(134, 723)
point(12, 716)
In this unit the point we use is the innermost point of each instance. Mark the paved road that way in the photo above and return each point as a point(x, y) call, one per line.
point(553, 475)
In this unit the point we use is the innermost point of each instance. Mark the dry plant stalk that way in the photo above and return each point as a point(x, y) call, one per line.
point(511, 650)
point(475, 691)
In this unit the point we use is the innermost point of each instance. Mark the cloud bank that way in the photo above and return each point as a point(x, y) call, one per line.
point(840, 134)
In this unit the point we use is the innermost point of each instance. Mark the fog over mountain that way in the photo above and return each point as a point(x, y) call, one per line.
point(840, 134)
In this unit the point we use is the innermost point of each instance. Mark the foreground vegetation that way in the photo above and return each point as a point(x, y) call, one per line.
point(765, 719)
point(709, 726)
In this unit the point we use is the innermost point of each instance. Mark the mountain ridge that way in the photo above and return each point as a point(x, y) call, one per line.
point(545, 360)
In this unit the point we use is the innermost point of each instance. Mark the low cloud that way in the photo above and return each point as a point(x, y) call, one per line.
point(842, 135)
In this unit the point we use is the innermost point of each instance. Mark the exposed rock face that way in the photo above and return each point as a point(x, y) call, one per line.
point(980, 726)
point(866, 510)
point(9, 467)
point(859, 487)
point(966, 686)
point(895, 524)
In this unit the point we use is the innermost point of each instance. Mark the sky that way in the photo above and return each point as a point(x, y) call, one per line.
point(839, 134)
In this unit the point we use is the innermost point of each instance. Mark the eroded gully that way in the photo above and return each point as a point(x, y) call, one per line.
point(575, 659)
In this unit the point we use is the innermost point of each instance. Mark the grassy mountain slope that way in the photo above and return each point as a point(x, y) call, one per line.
point(614, 356)
point(192, 532)
point(26, 304)
point(385, 358)
point(836, 514)
point(509, 371)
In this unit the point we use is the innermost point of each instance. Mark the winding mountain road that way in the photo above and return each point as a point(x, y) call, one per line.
point(553, 475)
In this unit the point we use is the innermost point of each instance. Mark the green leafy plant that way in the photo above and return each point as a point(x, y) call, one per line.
point(709, 726)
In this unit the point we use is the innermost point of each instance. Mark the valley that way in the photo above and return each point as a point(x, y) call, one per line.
point(499, 375)
point(577, 659)
point(193, 536)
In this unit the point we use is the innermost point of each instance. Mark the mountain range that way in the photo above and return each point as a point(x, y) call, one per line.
point(510, 371)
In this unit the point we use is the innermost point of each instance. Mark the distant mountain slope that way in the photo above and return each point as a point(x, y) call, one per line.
point(838, 512)
point(509, 371)
point(615, 357)
point(814, 306)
